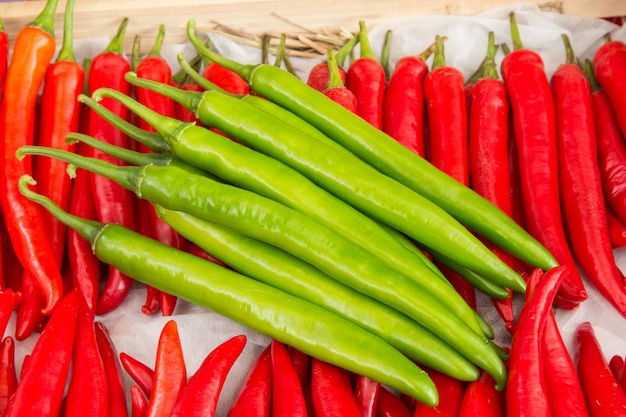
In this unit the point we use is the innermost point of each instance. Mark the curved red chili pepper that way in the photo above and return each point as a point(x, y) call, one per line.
point(446, 105)
point(617, 230)
point(42, 383)
point(113, 203)
point(254, 398)
point(60, 110)
point(609, 65)
point(9, 300)
point(389, 405)
point(226, 79)
point(482, 399)
point(403, 103)
point(526, 388)
point(87, 393)
point(602, 391)
point(616, 364)
point(366, 79)
point(202, 392)
point(141, 373)
point(138, 402)
point(115, 384)
point(30, 316)
point(4, 53)
point(450, 394)
point(580, 182)
point(532, 106)
point(366, 391)
point(8, 374)
point(287, 393)
point(331, 391)
point(33, 49)
point(170, 374)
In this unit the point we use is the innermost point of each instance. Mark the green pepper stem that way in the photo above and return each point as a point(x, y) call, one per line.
point(152, 140)
point(426, 53)
point(158, 42)
point(384, 56)
point(124, 154)
point(244, 71)
point(67, 47)
point(570, 56)
point(135, 55)
point(591, 76)
point(439, 59)
point(487, 68)
point(186, 98)
point(45, 19)
point(345, 50)
point(280, 53)
point(117, 43)
point(515, 35)
point(88, 229)
point(123, 175)
point(195, 76)
point(334, 79)
point(265, 49)
point(505, 48)
point(1, 25)
point(366, 47)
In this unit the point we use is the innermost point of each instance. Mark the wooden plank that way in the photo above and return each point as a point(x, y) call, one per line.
point(95, 18)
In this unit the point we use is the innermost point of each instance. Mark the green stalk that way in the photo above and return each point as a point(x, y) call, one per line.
point(439, 60)
point(570, 56)
point(158, 42)
point(45, 19)
point(515, 35)
point(384, 56)
point(67, 47)
point(116, 45)
point(365, 46)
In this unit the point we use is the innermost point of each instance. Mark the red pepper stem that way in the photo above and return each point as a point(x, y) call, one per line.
point(515, 35)
point(334, 78)
point(88, 229)
point(67, 48)
point(117, 43)
point(123, 175)
point(124, 154)
point(591, 76)
point(45, 19)
point(366, 47)
point(244, 71)
point(152, 140)
point(165, 126)
point(439, 59)
point(196, 77)
point(570, 56)
point(158, 42)
point(345, 50)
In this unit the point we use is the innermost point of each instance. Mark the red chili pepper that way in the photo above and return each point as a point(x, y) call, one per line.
point(115, 384)
point(482, 399)
point(622, 380)
point(60, 110)
point(318, 76)
point(532, 105)
point(33, 49)
point(8, 374)
point(602, 391)
point(580, 182)
point(331, 391)
point(30, 316)
point(42, 384)
point(9, 300)
point(141, 373)
point(389, 405)
point(366, 392)
point(154, 67)
point(448, 136)
point(302, 364)
point(202, 392)
point(336, 89)
point(403, 103)
point(170, 374)
point(4, 53)
point(226, 79)
point(85, 267)
point(87, 393)
point(450, 393)
point(287, 393)
point(617, 229)
point(366, 80)
point(254, 398)
point(526, 388)
point(609, 65)
point(113, 203)
point(616, 364)
point(138, 402)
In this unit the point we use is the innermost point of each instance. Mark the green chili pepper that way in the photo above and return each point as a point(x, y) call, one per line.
point(359, 184)
point(265, 309)
point(257, 172)
point(388, 156)
point(269, 221)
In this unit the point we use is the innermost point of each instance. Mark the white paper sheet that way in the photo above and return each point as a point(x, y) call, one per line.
point(200, 330)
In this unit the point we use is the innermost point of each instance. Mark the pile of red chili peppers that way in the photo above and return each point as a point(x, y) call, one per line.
point(174, 185)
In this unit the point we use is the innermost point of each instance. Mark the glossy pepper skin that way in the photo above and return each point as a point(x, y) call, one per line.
point(34, 48)
point(254, 398)
point(4, 53)
point(297, 322)
point(532, 105)
point(609, 63)
point(331, 391)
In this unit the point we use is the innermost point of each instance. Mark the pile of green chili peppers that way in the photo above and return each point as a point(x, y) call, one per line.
point(323, 217)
